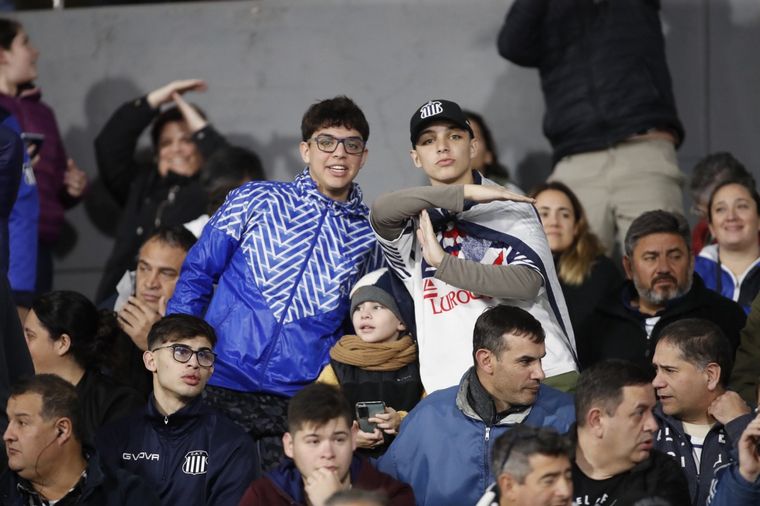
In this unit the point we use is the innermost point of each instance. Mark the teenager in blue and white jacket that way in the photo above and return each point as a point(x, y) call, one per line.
point(738, 484)
point(283, 257)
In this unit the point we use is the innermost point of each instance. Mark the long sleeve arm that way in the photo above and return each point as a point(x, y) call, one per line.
point(520, 37)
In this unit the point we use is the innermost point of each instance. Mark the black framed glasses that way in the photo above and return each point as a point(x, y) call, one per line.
point(183, 354)
point(328, 144)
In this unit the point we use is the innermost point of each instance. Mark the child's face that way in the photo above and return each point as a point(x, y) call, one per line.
point(333, 172)
point(375, 323)
point(174, 379)
point(330, 446)
point(444, 151)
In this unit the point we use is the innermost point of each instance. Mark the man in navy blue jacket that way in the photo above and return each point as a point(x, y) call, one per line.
point(190, 453)
point(444, 445)
point(700, 421)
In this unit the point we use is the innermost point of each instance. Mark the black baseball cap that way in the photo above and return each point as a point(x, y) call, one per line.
point(437, 110)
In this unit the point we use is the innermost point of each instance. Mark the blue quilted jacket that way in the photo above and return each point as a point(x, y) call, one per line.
point(284, 258)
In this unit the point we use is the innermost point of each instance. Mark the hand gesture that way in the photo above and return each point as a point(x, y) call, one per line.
point(431, 250)
point(728, 406)
point(749, 455)
point(388, 421)
point(193, 118)
point(320, 485)
point(368, 439)
point(74, 179)
point(162, 95)
point(483, 193)
point(136, 319)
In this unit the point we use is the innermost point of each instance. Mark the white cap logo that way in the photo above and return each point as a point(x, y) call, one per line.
point(430, 109)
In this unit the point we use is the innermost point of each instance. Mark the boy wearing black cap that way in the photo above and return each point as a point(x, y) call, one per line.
point(379, 363)
point(464, 244)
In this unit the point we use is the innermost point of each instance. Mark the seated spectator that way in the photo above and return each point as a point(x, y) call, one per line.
point(47, 459)
point(320, 445)
point(379, 363)
point(150, 197)
point(707, 174)
point(478, 245)
point(738, 484)
point(745, 378)
point(443, 444)
point(731, 266)
point(486, 160)
point(532, 467)
point(190, 453)
point(140, 301)
point(228, 168)
point(661, 288)
point(700, 421)
point(585, 274)
point(357, 497)
point(614, 460)
point(67, 336)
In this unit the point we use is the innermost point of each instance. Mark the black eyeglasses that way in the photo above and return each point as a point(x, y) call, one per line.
point(183, 354)
point(328, 144)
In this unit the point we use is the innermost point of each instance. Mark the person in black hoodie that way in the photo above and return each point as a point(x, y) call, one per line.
point(189, 452)
point(47, 459)
point(168, 193)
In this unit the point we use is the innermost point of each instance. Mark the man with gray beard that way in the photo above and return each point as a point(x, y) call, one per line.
point(661, 287)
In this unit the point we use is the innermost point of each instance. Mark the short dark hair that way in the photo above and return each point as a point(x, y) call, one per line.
point(9, 28)
point(513, 449)
point(59, 399)
point(749, 187)
point(171, 114)
point(717, 167)
point(317, 403)
point(701, 342)
point(656, 222)
point(602, 385)
point(176, 236)
point(175, 327)
point(225, 170)
point(352, 496)
point(496, 321)
point(340, 111)
point(71, 313)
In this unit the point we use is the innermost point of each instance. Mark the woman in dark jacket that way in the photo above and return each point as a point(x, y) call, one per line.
point(168, 193)
point(68, 336)
point(585, 274)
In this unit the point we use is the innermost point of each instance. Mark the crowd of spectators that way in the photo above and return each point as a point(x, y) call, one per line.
point(261, 342)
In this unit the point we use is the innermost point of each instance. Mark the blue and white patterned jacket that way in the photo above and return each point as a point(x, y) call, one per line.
point(284, 258)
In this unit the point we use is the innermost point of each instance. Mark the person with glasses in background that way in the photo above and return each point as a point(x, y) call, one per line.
point(190, 453)
point(272, 272)
point(532, 467)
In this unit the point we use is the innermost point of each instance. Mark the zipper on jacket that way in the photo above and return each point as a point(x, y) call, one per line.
point(278, 329)
point(169, 200)
point(166, 420)
point(486, 464)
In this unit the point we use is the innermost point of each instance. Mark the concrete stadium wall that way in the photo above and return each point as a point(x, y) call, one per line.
point(267, 60)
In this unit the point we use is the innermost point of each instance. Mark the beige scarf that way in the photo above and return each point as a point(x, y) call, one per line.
point(389, 356)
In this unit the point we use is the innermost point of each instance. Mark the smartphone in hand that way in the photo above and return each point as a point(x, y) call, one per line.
point(366, 410)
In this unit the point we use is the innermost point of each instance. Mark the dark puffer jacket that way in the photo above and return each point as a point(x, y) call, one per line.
point(603, 69)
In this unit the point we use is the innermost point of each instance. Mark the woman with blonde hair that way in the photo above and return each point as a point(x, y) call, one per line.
point(586, 275)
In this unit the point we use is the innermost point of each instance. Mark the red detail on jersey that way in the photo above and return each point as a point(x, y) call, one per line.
point(451, 300)
point(499, 259)
point(429, 290)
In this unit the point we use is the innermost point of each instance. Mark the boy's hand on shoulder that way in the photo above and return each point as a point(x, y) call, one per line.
point(388, 421)
point(431, 250)
point(483, 193)
point(320, 485)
